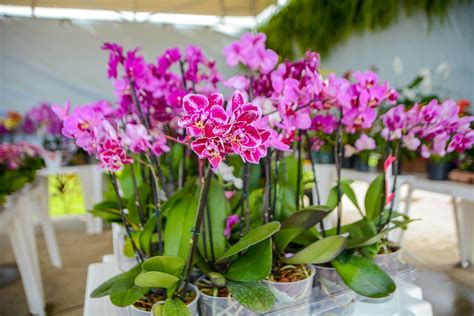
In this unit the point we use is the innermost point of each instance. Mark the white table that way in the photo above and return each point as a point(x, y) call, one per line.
point(408, 299)
point(463, 206)
point(91, 177)
point(16, 221)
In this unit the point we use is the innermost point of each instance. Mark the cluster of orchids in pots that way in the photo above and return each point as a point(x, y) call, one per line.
point(18, 165)
point(209, 189)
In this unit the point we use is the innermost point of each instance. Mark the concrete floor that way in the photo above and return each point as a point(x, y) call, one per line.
point(430, 245)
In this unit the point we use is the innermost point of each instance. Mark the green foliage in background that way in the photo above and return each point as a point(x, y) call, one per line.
point(320, 25)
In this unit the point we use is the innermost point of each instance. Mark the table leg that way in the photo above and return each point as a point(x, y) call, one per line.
point(42, 210)
point(26, 265)
point(464, 215)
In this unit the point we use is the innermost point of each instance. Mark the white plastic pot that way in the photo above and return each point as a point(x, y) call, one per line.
point(329, 281)
point(221, 306)
point(118, 239)
point(53, 159)
point(193, 306)
point(291, 293)
point(391, 262)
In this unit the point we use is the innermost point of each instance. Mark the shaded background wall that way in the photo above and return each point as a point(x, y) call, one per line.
point(59, 60)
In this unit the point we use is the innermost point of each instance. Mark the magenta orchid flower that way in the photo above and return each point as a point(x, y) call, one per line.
point(365, 142)
point(230, 221)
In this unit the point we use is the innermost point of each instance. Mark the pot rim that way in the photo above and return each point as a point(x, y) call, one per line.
point(313, 272)
point(196, 299)
point(398, 251)
point(210, 296)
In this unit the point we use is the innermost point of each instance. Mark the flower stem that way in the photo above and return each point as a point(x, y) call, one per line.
point(315, 179)
point(138, 255)
point(275, 187)
point(209, 227)
point(205, 185)
point(394, 186)
point(156, 201)
point(338, 160)
point(267, 189)
point(138, 202)
point(245, 196)
point(299, 172)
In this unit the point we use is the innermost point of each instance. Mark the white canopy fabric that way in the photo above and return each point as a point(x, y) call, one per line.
point(206, 7)
point(55, 61)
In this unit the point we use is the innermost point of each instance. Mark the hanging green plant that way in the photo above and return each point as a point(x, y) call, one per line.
point(322, 24)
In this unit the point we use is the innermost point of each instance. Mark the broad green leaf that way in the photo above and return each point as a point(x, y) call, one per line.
point(124, 292)
point(347, 190)
point(364, 277)
point(180, 221)
point(128, 247)
point(144, 194)
point(254, 296)
point(146, 234)
point(254, 265)
point(104, 288)
point(286, 201)
point(175, 306)
point(332, 198)
point(373, 198)
point(298, 223)
point(319, 252)
point(108, 215)
point(362, 230)
point(218, 207)
point(253, 237)
point(169, 264)
point(369, 240)
point(154, 279)
point(188, 188)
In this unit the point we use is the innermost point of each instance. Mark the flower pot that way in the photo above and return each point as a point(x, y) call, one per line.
point(193, 306)
point(221, 306)
point(348, 162)
point(360, 164)
point(289, 293)
point(390, 262)
point(118, 238)
point(323, 157)
point(329, 281)
point(438, 170)
point(134, 311)
point(53, 159)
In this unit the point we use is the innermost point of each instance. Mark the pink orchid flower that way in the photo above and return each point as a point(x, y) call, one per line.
point(230, 221)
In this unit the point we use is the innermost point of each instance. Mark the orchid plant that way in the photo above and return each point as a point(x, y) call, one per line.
point(232, 169)
point(18, 165)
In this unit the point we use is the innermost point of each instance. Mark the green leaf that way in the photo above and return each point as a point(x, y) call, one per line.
point(188, 188)
point(104, 288)
point(253, 237)
point(175, 306)
point(415, 82)
point(218, 207)
point(254, 265)
point(371, 239)
point(347, 190)
point(154, 279)
point(146, 234)
point(373, 198)
point(364, 277)
point(298, 223)
point(332, 198)
point(319, 252)
point(254, 296)
point(124, 292)
point(180, 221)
point(168, 264)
